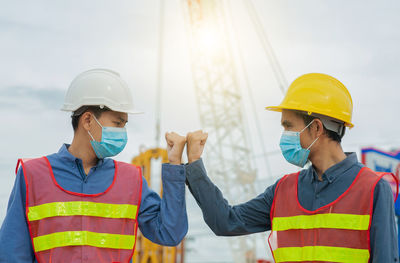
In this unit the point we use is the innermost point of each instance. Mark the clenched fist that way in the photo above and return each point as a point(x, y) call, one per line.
point(175, 143)
point(195, 144)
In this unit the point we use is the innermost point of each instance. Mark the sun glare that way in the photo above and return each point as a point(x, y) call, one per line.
point(209, 40)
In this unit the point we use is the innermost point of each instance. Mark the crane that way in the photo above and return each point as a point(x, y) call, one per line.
point(219, 104)
point(147, 251)
point(229, 155)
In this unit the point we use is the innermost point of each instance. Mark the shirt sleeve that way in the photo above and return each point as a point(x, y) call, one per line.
point(15, 240)
point(397, 207)
point(384, 247)
point(223, 219)
point(164, 221)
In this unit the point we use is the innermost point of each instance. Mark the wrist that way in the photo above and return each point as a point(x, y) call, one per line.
point(175, 162)
point(191, 160)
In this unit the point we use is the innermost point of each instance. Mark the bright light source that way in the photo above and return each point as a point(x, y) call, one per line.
point(208, 38)
point(209, 41)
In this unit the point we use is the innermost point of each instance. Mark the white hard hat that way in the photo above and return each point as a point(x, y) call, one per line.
point(101, 87)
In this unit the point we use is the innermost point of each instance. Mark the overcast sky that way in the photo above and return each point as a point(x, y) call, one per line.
point(45, 44)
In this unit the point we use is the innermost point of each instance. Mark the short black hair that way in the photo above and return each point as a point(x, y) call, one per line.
point(334, 136)
point(96, 110)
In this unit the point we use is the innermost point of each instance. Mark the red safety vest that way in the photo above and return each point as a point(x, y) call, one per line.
point(74, 227)
point(336, 232)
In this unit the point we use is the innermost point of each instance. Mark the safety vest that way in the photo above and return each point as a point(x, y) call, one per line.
point(75, 227)
point(336, 232)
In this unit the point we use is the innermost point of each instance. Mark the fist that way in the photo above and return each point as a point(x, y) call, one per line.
point(195, 144)
point(175, 145)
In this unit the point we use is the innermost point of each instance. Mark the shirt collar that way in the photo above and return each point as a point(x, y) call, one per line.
point(67, 156)
point(334, 171)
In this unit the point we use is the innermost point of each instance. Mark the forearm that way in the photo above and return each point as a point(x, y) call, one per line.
point(164, 221)
point(223, 219)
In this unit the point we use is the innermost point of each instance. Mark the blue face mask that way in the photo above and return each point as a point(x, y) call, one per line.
point(291, 147)
point(113, 141)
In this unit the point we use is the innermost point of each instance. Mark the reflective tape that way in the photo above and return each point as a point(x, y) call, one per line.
point(76, 208)
point(338, 221)
point(83, 238)
point(321, 253)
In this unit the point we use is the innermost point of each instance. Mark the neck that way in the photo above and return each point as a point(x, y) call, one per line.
point(82, 149)
point(327, 155)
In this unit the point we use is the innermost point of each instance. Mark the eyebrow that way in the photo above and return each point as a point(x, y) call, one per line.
point(122, 119)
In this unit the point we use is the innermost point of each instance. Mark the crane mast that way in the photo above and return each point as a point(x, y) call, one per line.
point(220, 106)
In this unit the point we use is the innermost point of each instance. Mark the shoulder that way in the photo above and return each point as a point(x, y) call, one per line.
point(383, 200)
point(123, 166)
point(119, 163)
point(270, 191)
point(23, 162)
point(375, 178)
point(291, 178)
point(383, 188)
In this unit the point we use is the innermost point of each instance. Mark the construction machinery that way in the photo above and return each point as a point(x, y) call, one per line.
point(229, 157)
point(147, 251)
point(219, 104)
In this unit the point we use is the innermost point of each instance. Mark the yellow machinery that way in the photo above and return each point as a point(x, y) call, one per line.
point(147, 251)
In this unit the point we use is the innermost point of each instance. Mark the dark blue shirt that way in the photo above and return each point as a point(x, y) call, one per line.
point(254, 215)
point(163, 221)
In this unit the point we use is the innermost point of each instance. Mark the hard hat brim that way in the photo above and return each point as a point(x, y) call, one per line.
point(274, 108)
point(279, 109)
point(134, 111)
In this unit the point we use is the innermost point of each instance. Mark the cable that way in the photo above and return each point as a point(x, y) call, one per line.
point(278, 73)
point(246, 78)
point(159, 74)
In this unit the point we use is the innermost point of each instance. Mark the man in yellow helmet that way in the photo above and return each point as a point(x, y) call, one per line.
point(336, 210)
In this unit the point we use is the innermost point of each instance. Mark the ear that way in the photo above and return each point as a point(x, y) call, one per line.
point(86, 121)
point(318, 127)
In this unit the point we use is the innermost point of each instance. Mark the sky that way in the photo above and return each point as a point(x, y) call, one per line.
point(45, 44)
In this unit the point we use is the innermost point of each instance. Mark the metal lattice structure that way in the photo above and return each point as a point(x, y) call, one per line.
point(228, 154)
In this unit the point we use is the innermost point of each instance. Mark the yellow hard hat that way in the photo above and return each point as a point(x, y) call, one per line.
point(321, 94)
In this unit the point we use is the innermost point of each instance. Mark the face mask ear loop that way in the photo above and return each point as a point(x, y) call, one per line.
point(94, 117)
point(312, 143)
point(306, 126)
point(91, 135)
point(97, 121)
point(314, 140)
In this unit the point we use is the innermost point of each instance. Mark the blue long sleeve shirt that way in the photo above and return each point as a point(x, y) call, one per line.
point(163, 221)
point(254, 216)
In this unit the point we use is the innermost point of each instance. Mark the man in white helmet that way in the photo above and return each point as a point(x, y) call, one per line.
point(78, 205)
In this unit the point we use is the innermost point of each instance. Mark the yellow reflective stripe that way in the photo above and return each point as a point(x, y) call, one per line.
point(339, 221)
point(321, 253)
point(82, 238)
point(81, 208)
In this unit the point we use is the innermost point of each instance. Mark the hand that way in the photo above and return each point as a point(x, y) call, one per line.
point(175, 143)
point(195, 144)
